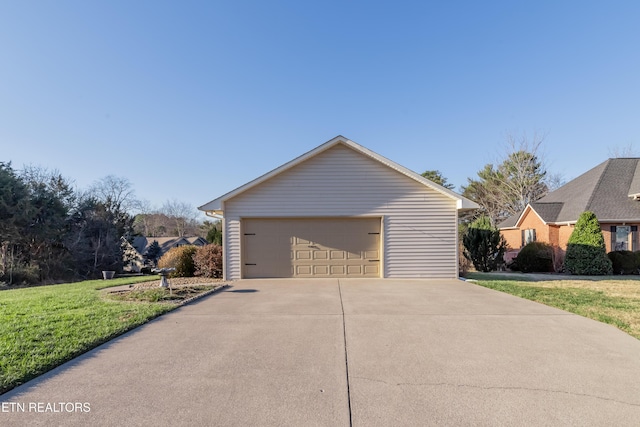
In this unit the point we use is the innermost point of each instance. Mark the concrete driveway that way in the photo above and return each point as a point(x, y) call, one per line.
point(347, 352)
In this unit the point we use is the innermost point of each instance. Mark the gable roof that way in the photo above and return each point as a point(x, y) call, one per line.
point(142, 243)
point(609, 190)
point(217, 205)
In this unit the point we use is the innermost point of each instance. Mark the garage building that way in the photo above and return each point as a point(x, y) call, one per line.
point(340, 210)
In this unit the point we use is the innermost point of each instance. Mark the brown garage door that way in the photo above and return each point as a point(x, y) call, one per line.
point(319, 247)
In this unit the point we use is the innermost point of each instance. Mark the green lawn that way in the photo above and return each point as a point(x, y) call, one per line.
point(613, 299)
point(43, 327)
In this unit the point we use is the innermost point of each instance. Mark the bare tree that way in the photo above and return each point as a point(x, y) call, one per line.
point(554, 181)
point(182, 214)
point(142, 223)
point(516, 181)
point(115, 192)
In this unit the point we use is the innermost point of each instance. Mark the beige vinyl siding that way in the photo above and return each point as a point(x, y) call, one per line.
point(419, 226)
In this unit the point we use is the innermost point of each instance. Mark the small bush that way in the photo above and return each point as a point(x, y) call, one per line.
point(624, 262)
point(535, 257)
point(208, 261)
point(180, 258)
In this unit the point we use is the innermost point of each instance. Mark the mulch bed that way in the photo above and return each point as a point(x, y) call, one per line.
point(183, 290)
point(179, 282)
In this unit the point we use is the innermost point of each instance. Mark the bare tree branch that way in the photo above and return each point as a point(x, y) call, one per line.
point(618, 152)
point(115, 192)
point(517, 180)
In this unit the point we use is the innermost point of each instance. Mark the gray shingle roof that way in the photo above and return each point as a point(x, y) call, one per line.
point(141, 243)
point(604, 190)
point(551, 210)
point(634, 188)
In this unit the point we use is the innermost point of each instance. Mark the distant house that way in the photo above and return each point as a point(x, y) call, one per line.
point(611, 190)
point(141, 244)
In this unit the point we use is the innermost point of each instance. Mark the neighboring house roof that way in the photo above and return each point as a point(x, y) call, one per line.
point(141, 243)
point(217, 205)
point(609, 190)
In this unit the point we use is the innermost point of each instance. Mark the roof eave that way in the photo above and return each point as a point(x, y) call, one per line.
point(463, 204)
point(618, 220)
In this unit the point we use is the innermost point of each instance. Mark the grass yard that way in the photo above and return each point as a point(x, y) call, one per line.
point(43, 327)
point(612, 299)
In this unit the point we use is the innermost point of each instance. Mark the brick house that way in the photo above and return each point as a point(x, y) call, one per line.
point(611, 190)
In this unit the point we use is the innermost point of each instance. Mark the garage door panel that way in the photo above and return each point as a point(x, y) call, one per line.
point(300, 255)
point(337, 270)
point(303, 270)
point(371, 269)
point(354, 269)
point(371, 255)
point(336, 247)
point(320, 254)
point(321, 270)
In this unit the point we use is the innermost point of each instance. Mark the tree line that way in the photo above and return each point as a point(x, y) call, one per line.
point(51, 231)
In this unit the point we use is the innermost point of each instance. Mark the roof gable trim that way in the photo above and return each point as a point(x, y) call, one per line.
point(217, 205)
point(527, 209)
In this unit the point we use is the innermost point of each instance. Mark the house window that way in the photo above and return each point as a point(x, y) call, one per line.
point(623, 238)
point(528, 236)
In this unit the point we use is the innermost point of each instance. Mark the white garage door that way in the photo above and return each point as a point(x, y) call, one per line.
point(320, 247)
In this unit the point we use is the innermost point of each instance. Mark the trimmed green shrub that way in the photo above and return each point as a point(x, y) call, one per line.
point(208, 261)
point(483, 244)
point(624, 262)
point(535, 257)
point(586, 253)
point(180, 258)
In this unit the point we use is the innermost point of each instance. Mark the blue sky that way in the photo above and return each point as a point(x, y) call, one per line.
point(190, 99)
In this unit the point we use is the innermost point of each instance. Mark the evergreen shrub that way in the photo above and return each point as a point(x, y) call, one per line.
point(535, 257)
point(624, 262)
point(586, 253)
point(484, 246)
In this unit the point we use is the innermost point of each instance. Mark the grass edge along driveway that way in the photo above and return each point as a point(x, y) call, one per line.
point(43, 327)
point(614, 300)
